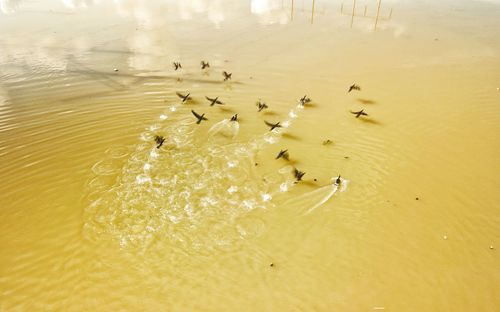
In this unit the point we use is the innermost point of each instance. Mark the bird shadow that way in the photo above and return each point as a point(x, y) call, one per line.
point(366, 101)
point(370, 121)
point(290, 136)
point(269, 113)
point(227, 110)
point(311, 105)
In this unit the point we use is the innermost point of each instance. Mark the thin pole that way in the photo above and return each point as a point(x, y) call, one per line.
point(353, 10)
point(312, 14)
point(378, 12)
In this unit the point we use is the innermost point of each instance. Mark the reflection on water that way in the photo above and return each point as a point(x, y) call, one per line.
point(94, 216)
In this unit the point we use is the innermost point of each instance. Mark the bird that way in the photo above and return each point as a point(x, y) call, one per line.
point(204, 65)
point(227, 75)
point(261, 105)
point(273, 126)
point(183, 97)
point(177, 65)
point(359, 113)
point(304, 100)
point(214, 101)
point(298, 174)
point(338, 180)
point(234, 118)
point(198, 116)
point(159, 140)
point(283, 154)
point(354, 87)
point(327, 142)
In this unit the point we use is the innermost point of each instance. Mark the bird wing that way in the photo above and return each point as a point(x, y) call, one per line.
point(270, 124)
point(211, 100)
point(355, 113)
point(195, 114)
point(180, 95)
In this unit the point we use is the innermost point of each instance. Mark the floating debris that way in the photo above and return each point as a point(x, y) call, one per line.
point(159, 140)
point(359, 113)
point(115, 69)
point(354, 87)
point(271, 264)
point(261, 105)
point(204, 65)
point(283, 154)
point(198, 116)
point(214, 101)
point(183, 97)
point(273, 126)
point(226, 75)
point(177, 65)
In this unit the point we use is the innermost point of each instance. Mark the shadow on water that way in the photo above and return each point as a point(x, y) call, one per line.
point(366, 101)
point(269, 113)
point(370, 121)
point(290, 136)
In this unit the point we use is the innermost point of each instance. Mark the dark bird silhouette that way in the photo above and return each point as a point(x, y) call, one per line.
point(283, 154)
point(298, 174)
point(227, 75)
point(204, 65)
point(261, 105)
point(234, 118)
point(273, 126)
point(354, 87)
point(338, 180)
point(177, 65)
point(198, 116)
point(159, 140)
point(214, 101)
point(304, 100)
point(183, 97)
point(359, 113)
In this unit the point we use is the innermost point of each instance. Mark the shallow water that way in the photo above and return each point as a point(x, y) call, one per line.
point(91, 218)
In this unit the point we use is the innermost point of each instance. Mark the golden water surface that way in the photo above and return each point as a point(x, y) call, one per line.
point(93, 217)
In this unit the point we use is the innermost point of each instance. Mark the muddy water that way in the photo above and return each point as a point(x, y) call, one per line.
point(94, 217)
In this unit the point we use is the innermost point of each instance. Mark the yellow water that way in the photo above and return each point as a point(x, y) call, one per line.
point(86, 226)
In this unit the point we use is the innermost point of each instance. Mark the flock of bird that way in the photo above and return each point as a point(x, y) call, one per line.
point(260, 107)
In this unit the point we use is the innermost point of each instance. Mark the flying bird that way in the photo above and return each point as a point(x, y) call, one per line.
point(204, 65)
point(283, 154)
point(261, 105)
point(183, 97)
point(234, 118)
point(354, 87)
point(273, 126)
point(298, 174)
point(304, 100)
point(227, 75)
point(359, 113)
point(198, 116)
point(214, 101)
point(177, 65)
point(159, 140)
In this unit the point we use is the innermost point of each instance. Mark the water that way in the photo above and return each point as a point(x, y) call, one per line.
point(94, 217)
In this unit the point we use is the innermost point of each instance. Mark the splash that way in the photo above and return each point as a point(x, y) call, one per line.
point(201, 194)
